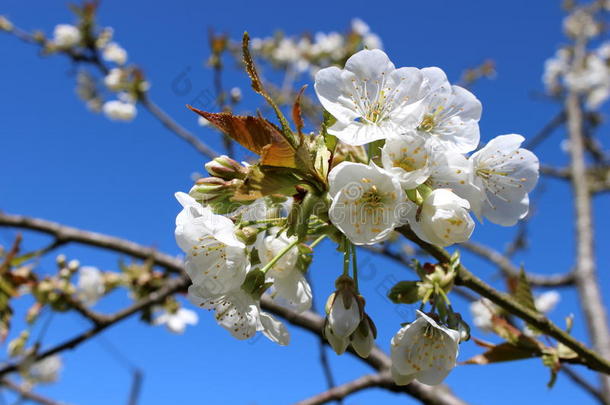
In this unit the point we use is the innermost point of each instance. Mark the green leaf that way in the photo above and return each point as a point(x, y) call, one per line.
point(405, 292)
point(523, 292)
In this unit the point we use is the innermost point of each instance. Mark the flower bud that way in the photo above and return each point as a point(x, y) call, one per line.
point(363, 339)
point(339, 344)
point(247, 234)
point(216, 193)
point(226, 168)
point(16, 346)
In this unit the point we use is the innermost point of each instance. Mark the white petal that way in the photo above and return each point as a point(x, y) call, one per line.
point(358, 133)
point(505, 213)
point(344, 321)
point(339, 344)
point(330, 85)
point(401, 379)
point(274, 330)
point(295, 289)
point(369, 64)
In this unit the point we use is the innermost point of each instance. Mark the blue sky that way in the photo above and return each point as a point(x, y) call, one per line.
point(62, 163)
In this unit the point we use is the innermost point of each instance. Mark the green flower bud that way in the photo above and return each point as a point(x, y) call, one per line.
point(406, 292)
point(226, 168)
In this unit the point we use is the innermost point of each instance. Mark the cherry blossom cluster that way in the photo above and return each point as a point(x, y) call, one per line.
point(591, 78)
point(118, 78)
point(311, 53)
point(117, 92)
point(396, 151)
point(423, 177)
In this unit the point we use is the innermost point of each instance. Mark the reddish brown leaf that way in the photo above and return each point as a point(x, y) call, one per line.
point(255, 134)
point(297, 118)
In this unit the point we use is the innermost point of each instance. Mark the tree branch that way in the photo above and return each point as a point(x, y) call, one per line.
point(585, 385)
point(586, 279)
point(510, 270)
point(540, 322)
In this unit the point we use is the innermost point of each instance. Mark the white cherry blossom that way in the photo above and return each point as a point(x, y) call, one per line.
point(118, 110)
point(177, 322)
point(450, 114)
point(424, 351)
point(407, 157)
point(113, 52)
point(90, 285)
point(370, 98)
point(547, 301)
point(66, 36)
point(482, 312)
point(442, 219)
point(288, 281)
point(240, 314)
point(366, 202)
point(114, 79)
point(45, 371)
point(505, 173)
point(216, 260)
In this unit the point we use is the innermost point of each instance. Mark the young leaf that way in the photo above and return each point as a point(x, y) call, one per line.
point(297, 118)
point(523, 292)
point(255, 134)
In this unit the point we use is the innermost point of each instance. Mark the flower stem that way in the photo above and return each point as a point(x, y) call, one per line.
point(355, 268)
point(279, 256)
point(346, 258)
point(317, 241)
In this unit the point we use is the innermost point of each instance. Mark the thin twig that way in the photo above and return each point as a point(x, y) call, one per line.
point(533, 142)
point(510, 270)
point(585, 385)
point(176, 128)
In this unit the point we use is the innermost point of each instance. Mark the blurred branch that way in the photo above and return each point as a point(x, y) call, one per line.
point(586, 279)
point(585, 385)
point(465, 278)
point(27, 394)
point(176, 128)
point(546, 131)
point(144, 100)
point(510, 270)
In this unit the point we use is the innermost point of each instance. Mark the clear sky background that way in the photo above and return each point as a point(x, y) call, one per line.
point(62, 163)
